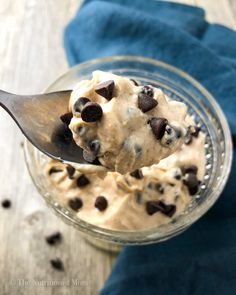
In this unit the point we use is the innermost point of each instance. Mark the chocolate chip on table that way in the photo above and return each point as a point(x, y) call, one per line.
point(82, 180)
point(57, 264)
point(91, 112)
point(146, 103)
point(148, 90)
point(101, 203)
point(135, 82)
point(89, 156)
point(192, 183)
point(66, 118)
point(158, 126)
point(6, 204)
point(80, 103)
point(105, 89)
point(54, 238)
point(190, 169)
point(137, 174)
point(70, 170)
point(75, 203)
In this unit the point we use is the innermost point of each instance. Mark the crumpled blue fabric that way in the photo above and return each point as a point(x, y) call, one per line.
point(202, 260)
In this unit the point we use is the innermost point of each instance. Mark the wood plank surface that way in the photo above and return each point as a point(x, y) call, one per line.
point(31, 57)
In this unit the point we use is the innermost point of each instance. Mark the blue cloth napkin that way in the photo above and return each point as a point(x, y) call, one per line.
point(203, 259)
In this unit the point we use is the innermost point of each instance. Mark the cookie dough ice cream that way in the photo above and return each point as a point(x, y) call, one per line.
point(123, 125)
point(142, 199)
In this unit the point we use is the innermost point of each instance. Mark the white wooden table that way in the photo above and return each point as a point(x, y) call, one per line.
point(31, 57)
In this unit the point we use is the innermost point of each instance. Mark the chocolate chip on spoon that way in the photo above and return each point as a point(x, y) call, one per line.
point(101, 203)
point(135, 82)
point(137, 174)
point(105, 89)
point(148, 90)
point(91, 112)
point(158, 126)
point(80, 103)
point(75, 203)
point(82, 180)
point(70, 170)
point(66, 118)
point(146, 103)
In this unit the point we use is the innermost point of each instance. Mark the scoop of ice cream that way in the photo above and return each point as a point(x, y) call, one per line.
point(123, 125)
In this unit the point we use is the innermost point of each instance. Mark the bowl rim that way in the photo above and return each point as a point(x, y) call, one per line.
point(130, 237)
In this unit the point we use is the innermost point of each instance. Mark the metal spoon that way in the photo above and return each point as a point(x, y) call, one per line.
point(38, 117)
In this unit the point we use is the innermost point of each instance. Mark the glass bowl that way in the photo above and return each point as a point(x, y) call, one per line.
point(207, 114)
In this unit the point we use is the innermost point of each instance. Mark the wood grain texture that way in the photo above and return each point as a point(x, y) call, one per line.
point(31, 57)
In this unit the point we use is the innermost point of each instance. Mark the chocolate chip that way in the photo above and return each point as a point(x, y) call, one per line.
point(53, 238)
point(135, 82)
point(75, 203)
point(192, 183)
point(66, 118)
point(177, 174)
point(88, 156)
point(194, 130)
point(160, 188)
point(94, 146)
point(152, 207)
point(6, 203)
point(155, 206)
point(138, 197)
point(54, 170)
point(91, 112)
point(70, 170)
point(190, 169)
point(158, 126)
point(138, 150)
point(188, 139)
point(137, 174)
point(146, 103)
point(101, 203)
point(80, 103)
point(82, 180)
point(168, 210)
point(57, 264)
point(148, 90)
point(105, 89)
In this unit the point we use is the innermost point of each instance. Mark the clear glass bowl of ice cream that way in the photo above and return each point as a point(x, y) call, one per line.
point(128, 226)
